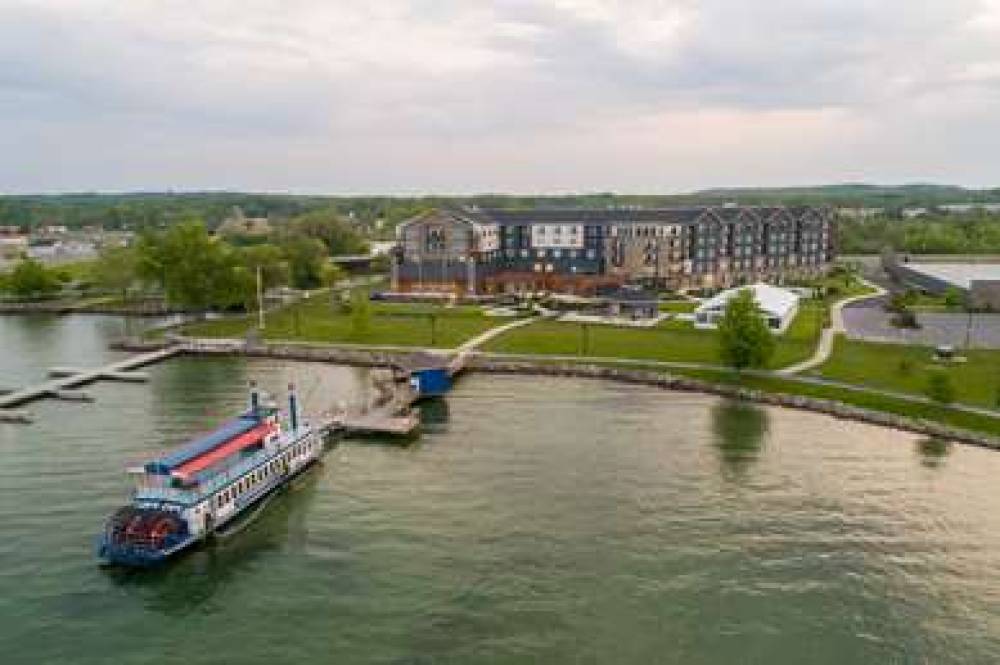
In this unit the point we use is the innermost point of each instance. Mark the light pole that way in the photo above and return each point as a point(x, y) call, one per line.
point(260, 299)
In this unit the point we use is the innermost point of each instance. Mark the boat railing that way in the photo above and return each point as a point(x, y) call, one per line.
point(211, 485)
point(172, 494)
point(232, 473)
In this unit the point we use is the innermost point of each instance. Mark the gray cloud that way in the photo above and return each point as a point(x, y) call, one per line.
point(523, 94)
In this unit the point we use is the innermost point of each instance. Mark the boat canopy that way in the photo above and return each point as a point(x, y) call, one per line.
point(203, 444)
point(192, 467)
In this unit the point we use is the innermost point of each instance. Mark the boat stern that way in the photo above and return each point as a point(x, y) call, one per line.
point(142, 538)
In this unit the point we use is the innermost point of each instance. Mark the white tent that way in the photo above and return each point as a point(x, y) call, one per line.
point(778, 306)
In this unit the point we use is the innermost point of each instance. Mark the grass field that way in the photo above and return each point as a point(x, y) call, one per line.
point(672, 341)
point(315, 320)
point(906, 369)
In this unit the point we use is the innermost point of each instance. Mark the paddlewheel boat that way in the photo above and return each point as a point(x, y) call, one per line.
point(188, 494)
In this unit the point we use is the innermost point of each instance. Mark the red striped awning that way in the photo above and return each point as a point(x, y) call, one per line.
point(202, 462)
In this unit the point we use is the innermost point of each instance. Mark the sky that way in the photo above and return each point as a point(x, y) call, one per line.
point(461, 96)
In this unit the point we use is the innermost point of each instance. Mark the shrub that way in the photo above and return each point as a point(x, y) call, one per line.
point(940, 388)
point(905, 319)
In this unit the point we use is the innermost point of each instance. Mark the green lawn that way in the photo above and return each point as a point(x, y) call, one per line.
point(906, 368)
point(800, 340)
point(933, 412)
point(315, 320)
point(671, 341)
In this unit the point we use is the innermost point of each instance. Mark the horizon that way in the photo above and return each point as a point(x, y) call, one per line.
point(551, 98)
point(501, 194)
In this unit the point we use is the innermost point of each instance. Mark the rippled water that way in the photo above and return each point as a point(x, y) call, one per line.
point(537, 520)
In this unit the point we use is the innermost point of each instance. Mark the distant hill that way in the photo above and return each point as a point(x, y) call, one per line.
point(377, 215)
point(857, 194)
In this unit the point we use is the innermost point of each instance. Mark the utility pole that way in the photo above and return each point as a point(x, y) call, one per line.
point(260, 299)
point(968, 331)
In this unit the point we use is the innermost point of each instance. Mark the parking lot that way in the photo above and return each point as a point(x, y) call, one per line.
point(868, 321)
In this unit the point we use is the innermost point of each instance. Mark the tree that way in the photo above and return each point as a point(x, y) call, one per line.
point(331, 274)
point(336, 234)
point(115, 269)
point(360, 313)
point(306, 259)
point(274, 268)
point(940, 388)
point(953, 298)
point(193, 269)
point(744, 338)
point(31, 279)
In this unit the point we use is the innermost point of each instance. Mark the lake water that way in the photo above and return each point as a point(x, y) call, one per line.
point(537, 520)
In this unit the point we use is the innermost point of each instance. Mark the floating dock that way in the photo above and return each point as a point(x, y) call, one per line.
point(413, 377)
point(68, 378)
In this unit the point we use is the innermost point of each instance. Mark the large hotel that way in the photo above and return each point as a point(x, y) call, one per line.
point(477, 251)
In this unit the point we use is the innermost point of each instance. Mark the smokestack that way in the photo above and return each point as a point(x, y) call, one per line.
point(293, 407)
point(254, 399)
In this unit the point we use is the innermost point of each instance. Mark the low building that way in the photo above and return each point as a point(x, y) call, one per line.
point(778, 306)
point(239, 227)
point(13, 246)
point(979, 283)
point(631, 302)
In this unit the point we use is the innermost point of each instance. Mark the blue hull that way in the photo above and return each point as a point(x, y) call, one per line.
point(138, 557)
point(132, 556)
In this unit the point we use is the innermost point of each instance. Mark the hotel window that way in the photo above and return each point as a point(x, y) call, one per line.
point(538, 267)
point(591, 254)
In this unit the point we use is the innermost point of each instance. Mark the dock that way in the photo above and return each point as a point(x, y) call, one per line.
point(416, 374)
point(65, 379)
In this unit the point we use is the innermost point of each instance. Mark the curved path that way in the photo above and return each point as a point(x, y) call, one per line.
point(827, 337)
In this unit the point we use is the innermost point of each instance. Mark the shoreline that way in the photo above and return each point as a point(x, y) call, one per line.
point(63, 308)
point(664, 380)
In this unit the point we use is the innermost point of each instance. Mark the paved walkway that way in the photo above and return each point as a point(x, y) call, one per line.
point(829, 335)
point(479, 340)
point(469, 347)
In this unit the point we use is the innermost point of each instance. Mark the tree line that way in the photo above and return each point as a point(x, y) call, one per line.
point(376, 216)
point(194, 269)
point(954, 234)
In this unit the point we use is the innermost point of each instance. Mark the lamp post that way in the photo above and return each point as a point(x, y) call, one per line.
point(260, 299)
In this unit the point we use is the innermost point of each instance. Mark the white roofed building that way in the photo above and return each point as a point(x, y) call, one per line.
point(778, 306)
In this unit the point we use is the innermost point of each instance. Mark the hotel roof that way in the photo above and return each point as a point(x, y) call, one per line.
point(678, 215)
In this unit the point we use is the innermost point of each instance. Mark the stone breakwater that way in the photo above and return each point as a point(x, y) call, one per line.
point(62, 308)
point(685, 384)
point(478, 363)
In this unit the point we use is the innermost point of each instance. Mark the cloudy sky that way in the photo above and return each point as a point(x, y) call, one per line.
point(345, 96)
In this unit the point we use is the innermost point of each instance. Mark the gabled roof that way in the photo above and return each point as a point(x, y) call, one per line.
point(771, 299)
point(675, 215)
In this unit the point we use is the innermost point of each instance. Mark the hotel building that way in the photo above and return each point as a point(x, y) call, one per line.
point(477, 251)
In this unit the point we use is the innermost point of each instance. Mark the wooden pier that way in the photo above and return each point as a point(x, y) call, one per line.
point(66, 379)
